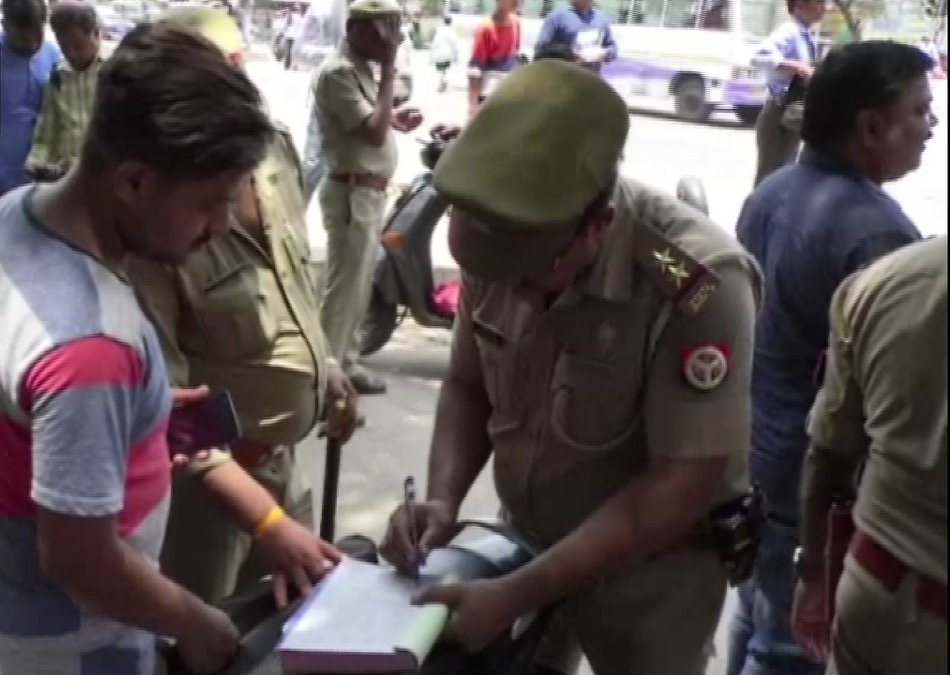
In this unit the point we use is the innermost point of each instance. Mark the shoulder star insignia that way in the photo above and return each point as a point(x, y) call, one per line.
point(679, 273)
point(663, 258)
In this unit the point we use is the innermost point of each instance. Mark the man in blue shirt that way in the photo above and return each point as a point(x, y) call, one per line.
point(26, 61)
point(866, 121)
point(585, 29)
point(790, 52)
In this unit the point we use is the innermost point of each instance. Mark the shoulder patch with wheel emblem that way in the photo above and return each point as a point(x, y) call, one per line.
point(705, 367)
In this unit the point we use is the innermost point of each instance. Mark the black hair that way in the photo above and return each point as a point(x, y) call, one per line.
point(68, 14)
point(790, 4)
point(856, 77)
point(169, 98)
point(24, 13)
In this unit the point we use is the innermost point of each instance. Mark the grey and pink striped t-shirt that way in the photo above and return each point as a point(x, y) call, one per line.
point(84, 405)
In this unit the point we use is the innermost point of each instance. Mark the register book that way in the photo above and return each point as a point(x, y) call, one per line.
point(360, 619)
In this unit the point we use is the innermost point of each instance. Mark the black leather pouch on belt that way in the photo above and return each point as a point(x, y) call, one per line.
point(735, 528)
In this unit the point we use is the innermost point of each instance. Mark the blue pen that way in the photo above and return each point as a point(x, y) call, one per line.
point(409, 496)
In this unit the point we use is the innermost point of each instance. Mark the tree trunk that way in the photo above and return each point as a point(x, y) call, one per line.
point(854, 26)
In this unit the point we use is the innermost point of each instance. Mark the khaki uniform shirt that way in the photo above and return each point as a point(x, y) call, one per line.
point(585, 394)
point(240, 316)
point(345, 93)
point(886, 390)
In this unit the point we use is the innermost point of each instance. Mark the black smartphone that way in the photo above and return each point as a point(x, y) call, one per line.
point(204, 425)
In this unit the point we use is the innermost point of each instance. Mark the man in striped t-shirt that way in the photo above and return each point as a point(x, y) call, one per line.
point(84, 396)
point(67, 102)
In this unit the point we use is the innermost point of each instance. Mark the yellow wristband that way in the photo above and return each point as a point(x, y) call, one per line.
point(267, 523)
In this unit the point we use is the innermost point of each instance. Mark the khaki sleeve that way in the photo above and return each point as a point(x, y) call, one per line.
point(338, 93)
point(703, 411)
point(836, 421)
point(157, 288)
point(292, 157)
point(465, 365)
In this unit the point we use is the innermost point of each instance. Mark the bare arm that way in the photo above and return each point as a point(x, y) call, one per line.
point(84, 399)
point(474, 90)
point(839, 443)
point(460, 443)
point(826, 476)
point(476, 68)
point(86, 557)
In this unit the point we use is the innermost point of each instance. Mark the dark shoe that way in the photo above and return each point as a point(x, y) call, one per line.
point(367, 384)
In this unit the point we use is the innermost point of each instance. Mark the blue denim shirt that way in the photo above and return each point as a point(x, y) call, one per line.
point(579, 29)
point(22, 82)
point(792, 41)
point(809, 225)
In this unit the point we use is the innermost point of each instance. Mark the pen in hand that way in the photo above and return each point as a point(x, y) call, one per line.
point(409, 497)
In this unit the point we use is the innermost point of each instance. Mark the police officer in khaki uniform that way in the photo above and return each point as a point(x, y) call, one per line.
point(884, 402)
point(601, 356)
point(356, 119)
point(240, 314)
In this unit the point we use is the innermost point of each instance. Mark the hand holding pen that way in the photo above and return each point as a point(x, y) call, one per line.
point(409, 502)
point(415, 529)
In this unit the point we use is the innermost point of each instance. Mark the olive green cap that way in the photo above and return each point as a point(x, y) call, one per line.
point(374, 8)
point(542, 147)
point(213, 24)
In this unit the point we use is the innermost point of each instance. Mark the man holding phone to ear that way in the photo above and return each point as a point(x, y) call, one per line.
point(240, 315)
point(356, 118)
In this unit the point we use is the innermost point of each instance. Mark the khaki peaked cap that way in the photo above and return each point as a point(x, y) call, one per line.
point(539, 150)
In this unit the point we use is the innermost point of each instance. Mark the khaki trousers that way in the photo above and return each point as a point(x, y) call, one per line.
point(878, 632)
point(657, 620)
point(777, 145)
point(205, 550)
point(353, 218)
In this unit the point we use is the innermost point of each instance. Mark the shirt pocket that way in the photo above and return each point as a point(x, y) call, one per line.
point(235, 316)
point(302, 266)
point(499, 368)
point(594, 402)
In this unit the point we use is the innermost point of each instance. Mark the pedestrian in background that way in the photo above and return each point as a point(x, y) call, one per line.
point(883, 405)
point(356, 118)
point(292, 33)
point(866, 121)
point(67, 103)
point(585, 28)
point(496, 44)
point(788, 57)
point(444, 51)
point(26, 61)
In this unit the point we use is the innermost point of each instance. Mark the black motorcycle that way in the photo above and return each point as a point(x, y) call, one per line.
point(403, 282)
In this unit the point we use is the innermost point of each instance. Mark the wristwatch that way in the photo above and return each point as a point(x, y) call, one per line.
point(807, 569)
